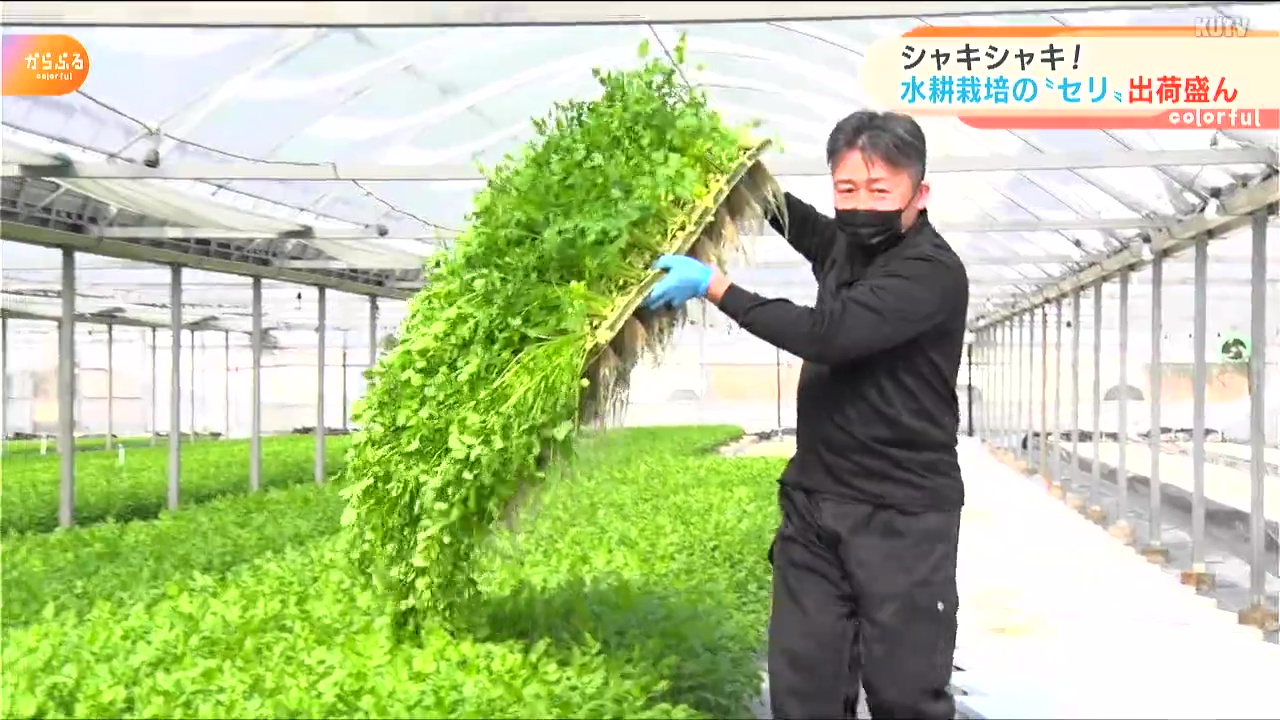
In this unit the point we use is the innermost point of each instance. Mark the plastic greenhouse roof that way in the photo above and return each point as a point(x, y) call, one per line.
point(290, 98)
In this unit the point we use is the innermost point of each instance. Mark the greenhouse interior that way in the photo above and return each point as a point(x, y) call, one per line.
point(209, 248)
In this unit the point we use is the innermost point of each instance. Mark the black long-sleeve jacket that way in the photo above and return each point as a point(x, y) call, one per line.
point(877, 409)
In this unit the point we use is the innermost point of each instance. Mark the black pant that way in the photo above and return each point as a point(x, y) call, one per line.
point(862, 595)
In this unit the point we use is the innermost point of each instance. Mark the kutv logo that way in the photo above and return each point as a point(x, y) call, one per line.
point(1222, 26)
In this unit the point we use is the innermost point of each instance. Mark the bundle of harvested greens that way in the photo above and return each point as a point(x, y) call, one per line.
point(529, 325)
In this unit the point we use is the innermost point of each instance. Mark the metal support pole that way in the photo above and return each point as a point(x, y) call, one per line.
point(67, 393)
point(991, 393)
point(1075, 392)
point(1095, 478)
point(191, 356)
point(226, 384)
point(320, 343)
point(155, 396)
point(1121, 528)
point(1155, 550)
point(1199, 376)
point(991, 390)
point(345, 427)
point(991, 403)
point(968, 354)
point(1029, 385)
point(995, 397)
point(985, 405)
point(373, 331)
point(1258, 614)
point(1044, 394)
point(111, 385)
point(1019, 387)
point(1055, 429)
point(255, 383)
point(1010, 384)
point(175, 383)
point(984, 381)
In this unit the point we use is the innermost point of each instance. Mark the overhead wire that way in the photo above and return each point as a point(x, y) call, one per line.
point(236, 156)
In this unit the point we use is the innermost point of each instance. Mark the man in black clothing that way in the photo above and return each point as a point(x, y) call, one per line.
point(864, 560)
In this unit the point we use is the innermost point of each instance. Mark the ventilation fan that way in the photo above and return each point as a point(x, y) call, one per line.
point(1234, 349)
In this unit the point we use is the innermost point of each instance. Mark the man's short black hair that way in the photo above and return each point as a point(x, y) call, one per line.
point(894, 139)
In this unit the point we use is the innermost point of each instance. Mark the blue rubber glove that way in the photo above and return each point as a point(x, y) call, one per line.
point(686, 279)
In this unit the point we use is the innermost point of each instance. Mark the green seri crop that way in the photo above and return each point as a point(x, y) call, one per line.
point(37, 448)
point(107, 490)
point(639, 589)
point(74, 569)
point(527, 327)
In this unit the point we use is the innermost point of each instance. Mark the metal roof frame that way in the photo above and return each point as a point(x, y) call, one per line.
point(96, 206)
point(455, 14)
point(783, 165)
point(74, 220)
point(1231, 211)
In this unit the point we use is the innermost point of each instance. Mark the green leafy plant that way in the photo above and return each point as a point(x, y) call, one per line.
point(641, 591)
point(49, 446)
point(528, 326)
point(117, 562)
point(107, 490)
point(1234, 349)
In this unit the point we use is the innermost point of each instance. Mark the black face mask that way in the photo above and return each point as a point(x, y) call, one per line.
point(869, 228)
